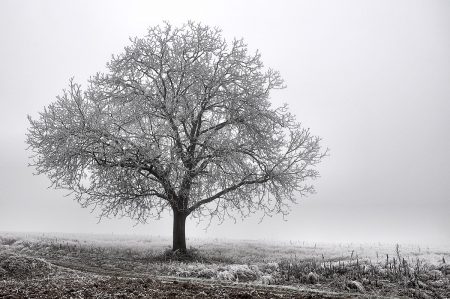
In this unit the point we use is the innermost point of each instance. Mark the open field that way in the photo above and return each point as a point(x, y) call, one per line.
point(110, 266)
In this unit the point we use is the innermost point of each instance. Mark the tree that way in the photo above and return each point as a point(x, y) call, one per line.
point(181, 121)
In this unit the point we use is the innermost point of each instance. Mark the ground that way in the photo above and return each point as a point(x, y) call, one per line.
point(93, 266)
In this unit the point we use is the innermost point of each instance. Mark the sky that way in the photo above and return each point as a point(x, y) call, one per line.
point(372, 78)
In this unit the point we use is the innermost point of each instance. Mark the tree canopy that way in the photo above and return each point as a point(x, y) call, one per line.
point(182, 121)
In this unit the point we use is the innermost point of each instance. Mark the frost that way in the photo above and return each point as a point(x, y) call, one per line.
point(267, 279)
point(312, 278)
point(356, 285)
point(225, 275)
point(243, 273)
point(18, 266)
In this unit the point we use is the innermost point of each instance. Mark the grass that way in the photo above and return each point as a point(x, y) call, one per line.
point(377, 269)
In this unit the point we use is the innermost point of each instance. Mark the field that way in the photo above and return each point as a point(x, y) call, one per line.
point(111, 266)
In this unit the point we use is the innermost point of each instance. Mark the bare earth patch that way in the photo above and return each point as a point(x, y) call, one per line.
point(120, 287)
point(28, 277)
point(68, 267)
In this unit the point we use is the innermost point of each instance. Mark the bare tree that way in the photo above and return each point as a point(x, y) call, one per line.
point(181, 121)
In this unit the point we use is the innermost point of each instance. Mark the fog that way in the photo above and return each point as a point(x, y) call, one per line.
point(370, 77)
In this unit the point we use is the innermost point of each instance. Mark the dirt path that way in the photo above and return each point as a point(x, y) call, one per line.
point(77, 280)
point(142, 285)
point(125, 287)
point(68, 276)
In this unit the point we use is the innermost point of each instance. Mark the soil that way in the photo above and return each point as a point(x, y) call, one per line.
point(59, 269)
point(123, 287)
point(29, 277)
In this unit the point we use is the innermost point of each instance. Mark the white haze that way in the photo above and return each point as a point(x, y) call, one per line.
point(370, 77)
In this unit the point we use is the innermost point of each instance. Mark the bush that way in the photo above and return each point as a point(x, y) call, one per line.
point(243, 273)
point(7, 241)
point(206, 273)
point(17, 266)
point(225, 275)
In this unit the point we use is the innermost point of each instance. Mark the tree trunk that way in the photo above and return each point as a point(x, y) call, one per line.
point(179, 228)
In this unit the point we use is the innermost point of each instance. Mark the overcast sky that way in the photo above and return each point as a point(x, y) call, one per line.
point(372, 78)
